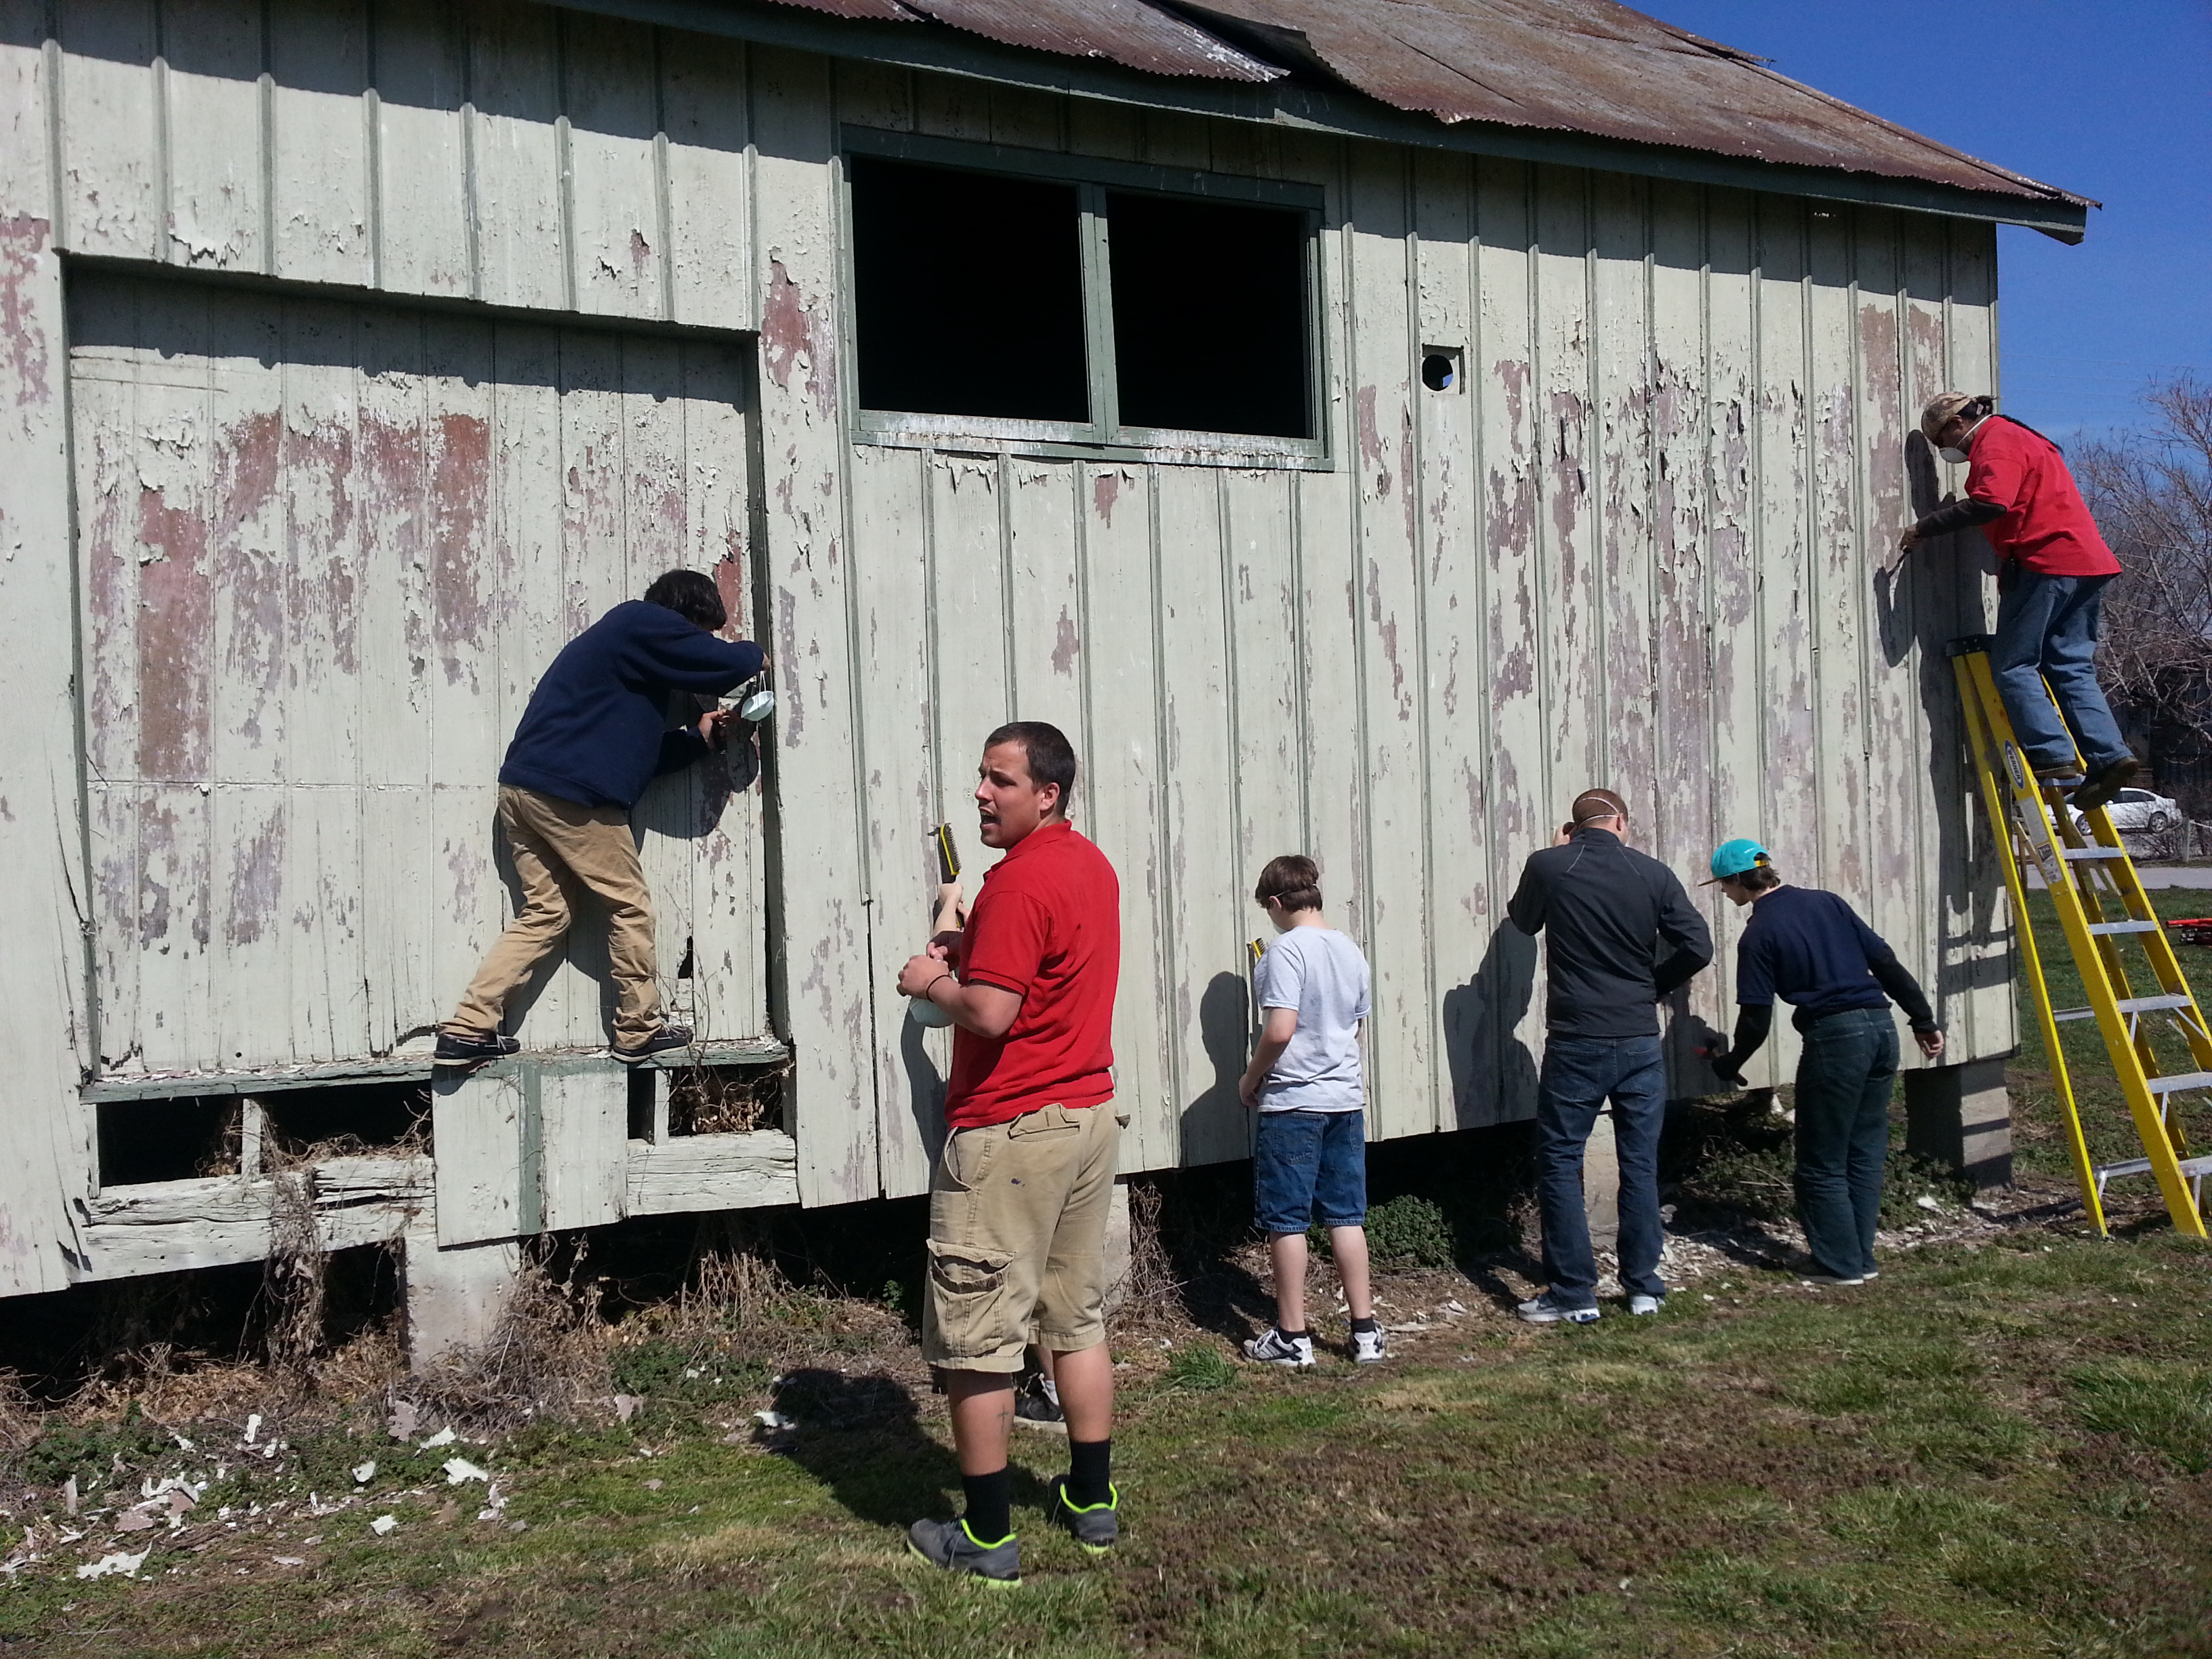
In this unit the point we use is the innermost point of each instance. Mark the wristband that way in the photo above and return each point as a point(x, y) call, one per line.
point(929, 990)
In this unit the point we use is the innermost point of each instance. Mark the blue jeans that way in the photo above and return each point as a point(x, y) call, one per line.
point(1579, 1075)
point(1843, 1079)
point(1303, 1162)
point(2047, 631)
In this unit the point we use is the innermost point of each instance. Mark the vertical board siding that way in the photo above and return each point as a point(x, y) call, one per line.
point(327, 551)
point(1634, 545)
point(44, 1142)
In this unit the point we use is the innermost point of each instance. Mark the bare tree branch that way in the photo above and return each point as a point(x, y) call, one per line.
point(2151, 493)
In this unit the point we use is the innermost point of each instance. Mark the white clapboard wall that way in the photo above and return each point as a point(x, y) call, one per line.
point(326, 551)
point(326, 537)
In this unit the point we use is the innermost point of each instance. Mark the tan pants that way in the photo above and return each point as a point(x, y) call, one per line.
point(555, 843)
point(1017, 1237)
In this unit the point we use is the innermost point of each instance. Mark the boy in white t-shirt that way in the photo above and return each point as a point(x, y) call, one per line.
point(1310, 1152)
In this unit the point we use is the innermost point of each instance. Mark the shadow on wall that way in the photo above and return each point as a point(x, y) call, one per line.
point(1215, 1123)
point(1931, 598)
point(680, 807)
point(1493, 1074)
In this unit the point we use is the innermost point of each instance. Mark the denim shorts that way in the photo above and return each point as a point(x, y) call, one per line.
point(1307, 1163)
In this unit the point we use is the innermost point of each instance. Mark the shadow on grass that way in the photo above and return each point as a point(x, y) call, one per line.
point(862, 1437)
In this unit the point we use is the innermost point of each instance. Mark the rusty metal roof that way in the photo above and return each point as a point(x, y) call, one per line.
point(1582, 66)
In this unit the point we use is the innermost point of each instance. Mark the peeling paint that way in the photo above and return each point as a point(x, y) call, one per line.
point(795, 332)
point(1065, 644)
point(22, 247)
point(460, 488)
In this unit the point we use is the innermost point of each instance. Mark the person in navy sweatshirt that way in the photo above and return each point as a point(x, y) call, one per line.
point(595, 734)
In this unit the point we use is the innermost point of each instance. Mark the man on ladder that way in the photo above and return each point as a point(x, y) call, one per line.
point(2054, 572)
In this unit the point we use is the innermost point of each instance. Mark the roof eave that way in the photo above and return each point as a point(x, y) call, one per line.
point(1301, 104)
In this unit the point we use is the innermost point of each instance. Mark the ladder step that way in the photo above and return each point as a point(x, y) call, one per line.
point(2126, 1005)
point(2176, 1084)
point(2093, 852)
point(2123, 927)
point(2145, 1004)
point(2190, 1167)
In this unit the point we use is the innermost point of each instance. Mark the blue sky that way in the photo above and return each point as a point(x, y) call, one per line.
point(2109, 99)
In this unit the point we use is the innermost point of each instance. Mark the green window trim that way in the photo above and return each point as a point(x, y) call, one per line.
point(1103, 437)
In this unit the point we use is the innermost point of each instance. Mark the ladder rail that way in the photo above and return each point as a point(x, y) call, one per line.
point(2001, 828)
point(2092, 941)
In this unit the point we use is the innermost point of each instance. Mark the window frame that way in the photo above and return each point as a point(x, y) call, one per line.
point(1102, 437)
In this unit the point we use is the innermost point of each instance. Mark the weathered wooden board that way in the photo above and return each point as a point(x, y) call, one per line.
point(583, 1146)
point(327, 551)
point(169, 1225)
point(833, 1030)
point(712, 1172)
point(45, 1152)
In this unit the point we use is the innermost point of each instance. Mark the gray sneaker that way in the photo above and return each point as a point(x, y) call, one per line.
point(950, 1545)
point(1543, 1310)
point(1641, 1306)
point(1097, 1527)
point(1272, 1347)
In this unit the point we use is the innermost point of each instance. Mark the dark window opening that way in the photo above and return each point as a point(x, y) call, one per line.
point(968, 294)
point(724, 1100)
point(1209, 316)
point(1440, 370)
point(304, 1126)
point(174, 1139)
point(644, 1095)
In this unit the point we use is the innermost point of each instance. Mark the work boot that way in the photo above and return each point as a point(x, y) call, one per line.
point(471, 1049)
point(667, 1037)
point(950, 1545)
point(1097, 1527)
point(2106, 783)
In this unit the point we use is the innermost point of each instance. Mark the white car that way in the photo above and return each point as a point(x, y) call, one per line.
point(2138, 811)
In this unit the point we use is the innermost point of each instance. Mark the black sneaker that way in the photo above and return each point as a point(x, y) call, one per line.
point(950, 1545)
point(453, 1050)
point(2106, 783)
point(667, 1037)
point(1097, 1527)
point(1035, 1405)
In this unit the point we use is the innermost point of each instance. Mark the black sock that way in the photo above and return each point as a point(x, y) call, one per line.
point(1368, 1323)
point(1090, 1471)
point(1291, 1336)
point(990, 1514)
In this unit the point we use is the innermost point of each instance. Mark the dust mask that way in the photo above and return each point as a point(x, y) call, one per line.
point(1954, 456)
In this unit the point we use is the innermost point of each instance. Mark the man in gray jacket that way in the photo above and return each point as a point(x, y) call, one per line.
point(1609, 908)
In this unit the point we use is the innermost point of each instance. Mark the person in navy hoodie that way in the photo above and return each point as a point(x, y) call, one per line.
point(595, 734)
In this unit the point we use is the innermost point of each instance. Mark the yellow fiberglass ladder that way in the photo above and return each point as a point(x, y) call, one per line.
point(2102, 908)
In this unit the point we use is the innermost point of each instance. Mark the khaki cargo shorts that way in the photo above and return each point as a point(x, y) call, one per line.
point(1017, 1238)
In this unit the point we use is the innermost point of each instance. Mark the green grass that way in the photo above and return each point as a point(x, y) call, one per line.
point(2038, 1142)
point(1997, 1450)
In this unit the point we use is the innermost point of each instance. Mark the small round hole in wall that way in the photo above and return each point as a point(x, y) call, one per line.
point(1438, 371)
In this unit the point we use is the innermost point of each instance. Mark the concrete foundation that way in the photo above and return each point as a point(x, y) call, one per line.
point(1602, 1184)
point(1961, 1117)
point(456, 1295)
point(1117, 1246)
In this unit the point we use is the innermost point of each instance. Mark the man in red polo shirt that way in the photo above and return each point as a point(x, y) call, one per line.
point(2053, 575)
point(1018, 1200)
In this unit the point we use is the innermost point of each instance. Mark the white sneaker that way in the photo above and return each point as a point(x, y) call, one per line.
point(1826, 1279)
point(1640, 1306)
point(1543, 1310)
point(1272, 1347)
point(1370, 1347)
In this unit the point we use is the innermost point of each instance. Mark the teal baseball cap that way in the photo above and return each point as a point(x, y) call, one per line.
point(1733, 858)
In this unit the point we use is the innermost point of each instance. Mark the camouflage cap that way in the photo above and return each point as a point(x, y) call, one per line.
point(1942, 409)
